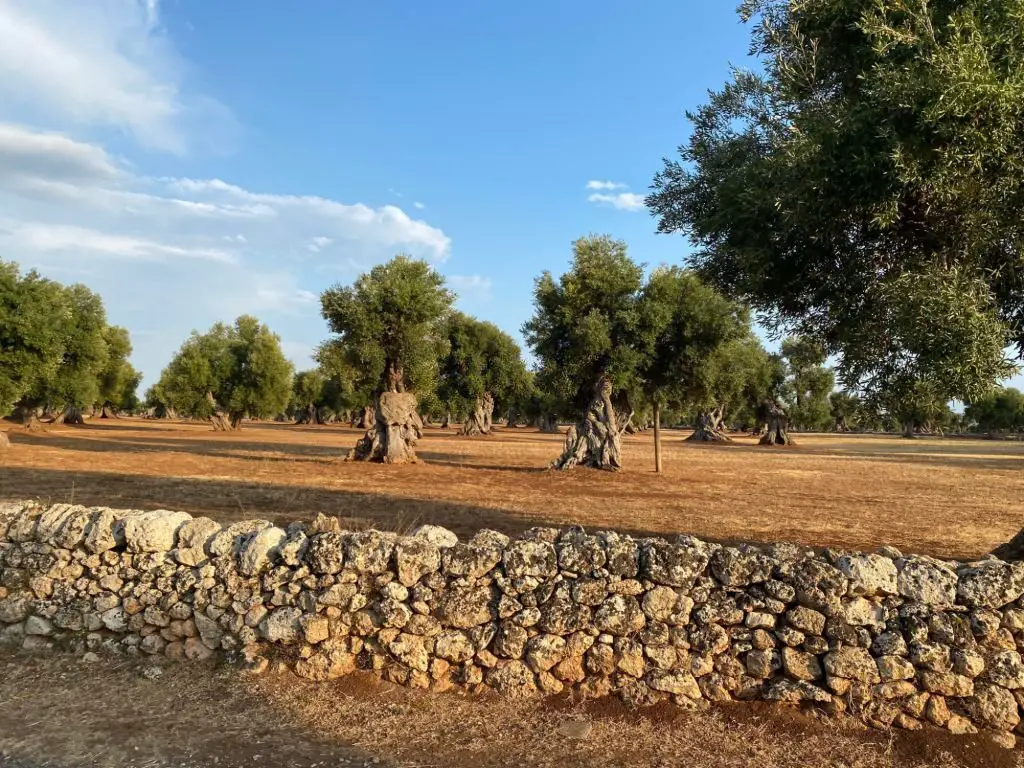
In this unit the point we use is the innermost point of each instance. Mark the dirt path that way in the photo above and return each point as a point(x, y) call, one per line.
point(58, 711)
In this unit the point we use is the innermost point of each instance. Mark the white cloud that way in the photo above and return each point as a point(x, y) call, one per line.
point(418, 205)
point(475, 287)
point(101, 63)
point(609, 185)
point(624, 201)
point(172, 255)
point(318, 243)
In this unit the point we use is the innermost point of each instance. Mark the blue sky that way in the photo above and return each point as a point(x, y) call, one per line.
point(192, 160)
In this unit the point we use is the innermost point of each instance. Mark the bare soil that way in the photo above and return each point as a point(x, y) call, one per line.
point(57, 711)
point(947, 497)
point(956, 498)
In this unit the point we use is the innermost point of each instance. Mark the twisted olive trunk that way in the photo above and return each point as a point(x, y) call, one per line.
point(710, 428)
point(479, 421)
point(595, 441)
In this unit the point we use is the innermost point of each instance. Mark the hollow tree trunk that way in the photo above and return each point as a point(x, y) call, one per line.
point(480, 420)
point(595, 441)
point(710, 428)
point(397, 426)
point(219, 418)
point(367, 418)
point(777, 428)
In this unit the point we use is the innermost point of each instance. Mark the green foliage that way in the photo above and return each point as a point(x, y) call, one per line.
point(242, 366)
point(589, 323)
point(1000, 411)
point(32, 333)
point(480, 358)
point(308, 388)
point(809, 384)
point(389, 324)
point(866, 189)
point(846, 410)
point(699, 357)
point(119, 381)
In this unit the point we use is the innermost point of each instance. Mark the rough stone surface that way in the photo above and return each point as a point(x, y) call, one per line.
point(896, 640)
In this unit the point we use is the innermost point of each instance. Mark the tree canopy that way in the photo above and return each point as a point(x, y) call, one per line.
point(479, 358)
point(241, 366)
point(865, 189)
point(388, 324)
point(808, 384)
point(587, 324)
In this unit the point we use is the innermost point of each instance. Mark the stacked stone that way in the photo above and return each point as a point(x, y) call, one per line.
point(897, 640)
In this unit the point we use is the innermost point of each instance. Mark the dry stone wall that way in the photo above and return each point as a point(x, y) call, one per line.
point(896, 640)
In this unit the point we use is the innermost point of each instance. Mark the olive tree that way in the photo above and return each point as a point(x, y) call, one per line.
point(388, 326)
point(228, 373)
point(864, 187)
point(482, 370)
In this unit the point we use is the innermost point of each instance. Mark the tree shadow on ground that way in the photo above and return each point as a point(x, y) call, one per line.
point(230, 500)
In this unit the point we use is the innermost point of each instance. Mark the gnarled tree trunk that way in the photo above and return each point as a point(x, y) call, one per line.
point(28, 417)
point(69, 415)
point(446, 422)
point(219, 418)
point(367, 418)
point(108, 411)
point(710, 428)
point(595, 441)
point(480, 420)
point(396, 429)
point(777, 427)
point(309, 415)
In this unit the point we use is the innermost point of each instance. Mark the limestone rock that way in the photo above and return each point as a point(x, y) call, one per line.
point(1005, 669)
point(415, 558)
point(466, 607)
point(369, 551)
point(325, 553)
point(544, 651)
point(455, 647)
point(806, 620)
point(925, 581)
point(440, 537)
point(282, 625)
point(736, 568)
point(869, 575)
point(619, 615)
point(990, 584)
point(852, 664)
point(193, 538)
point(106, 531)
point(802, 666)
point(154, 531)
point(678, 683)
point(993, 707)
point(259, 550)
point(229, 541)
point(525, 558)
point(674, 565)
point(512, 679)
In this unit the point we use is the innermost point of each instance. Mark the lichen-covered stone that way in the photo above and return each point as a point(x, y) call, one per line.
point(465, 607)
point(869, 575)
point(155, 531)
point(990, 584)
point(852, 664)
point(369, 551)
point(526, 558)
point(925, 581)
point(674, 565)
point(415, 558)
point(259, 550)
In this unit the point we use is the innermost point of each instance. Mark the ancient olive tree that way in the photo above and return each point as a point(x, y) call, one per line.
point(32, 339)
point(228, 373)
point(865, 187)
point(308, 388)
point(389, 326)
point(587, 333)
point(483, 370)
point(998, 412)
point(692, 363)
point(118, 381)
point(75, 384)
point(844, 408)
point(808, 384)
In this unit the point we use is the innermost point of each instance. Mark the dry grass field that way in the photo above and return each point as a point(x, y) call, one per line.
point(947, 497)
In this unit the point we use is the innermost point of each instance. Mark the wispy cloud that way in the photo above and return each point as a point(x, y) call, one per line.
point(101, 63)
point(624, 201)
point(605, 185)
point(475, 287)
point(317, 244)
point(418, 205)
